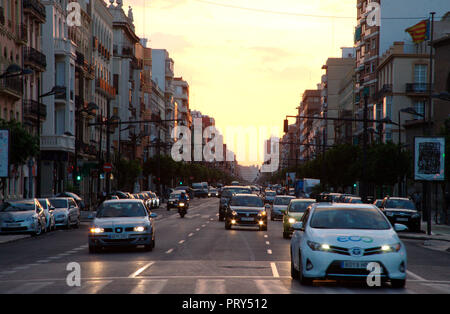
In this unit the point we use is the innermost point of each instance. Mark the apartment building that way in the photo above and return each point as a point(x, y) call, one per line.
point(58, 131)
point(34, 112)
point(310, 106)
point(181, 97)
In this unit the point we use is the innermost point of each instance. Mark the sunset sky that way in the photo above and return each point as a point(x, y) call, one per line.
point(247, 68)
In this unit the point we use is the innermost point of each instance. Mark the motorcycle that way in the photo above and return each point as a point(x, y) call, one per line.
point(182, 208)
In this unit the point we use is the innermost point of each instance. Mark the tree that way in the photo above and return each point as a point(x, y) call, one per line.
point(129, 171)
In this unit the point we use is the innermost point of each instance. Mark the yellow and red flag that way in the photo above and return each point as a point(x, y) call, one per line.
point(420, 32)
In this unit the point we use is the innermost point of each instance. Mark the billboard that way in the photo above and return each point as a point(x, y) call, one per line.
point(429, 158)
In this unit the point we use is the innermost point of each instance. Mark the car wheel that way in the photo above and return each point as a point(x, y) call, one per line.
point(68, 223)
point(221, 218)
point(38, 230)
point(303, 280)
point(263, 228)
point(398, 283)
point(227, 225)
point(77, 225)
point(168, 208)
point(285, 235)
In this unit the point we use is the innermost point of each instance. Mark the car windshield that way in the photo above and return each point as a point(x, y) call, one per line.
point(197, 186)
point(400, 204)
point(356, 201)
point(354, 218)
point(299, 207)
point(271, 193)
point(175, 195)
point(121, 209)
point(59, 203)
point(247, 201)
point(16, 207)
point(282, 200)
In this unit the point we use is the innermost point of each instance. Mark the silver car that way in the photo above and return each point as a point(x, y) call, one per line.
point(279, 206)
point(66, 212)
point(125, 222)
point(48, 209)
point(22, 216)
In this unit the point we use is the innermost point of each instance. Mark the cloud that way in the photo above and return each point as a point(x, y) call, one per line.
point(173, 43)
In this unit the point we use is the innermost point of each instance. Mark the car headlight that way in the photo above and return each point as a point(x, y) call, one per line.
point(391, 248)
point(292, 220)
point(97, 230)
point(318, 246)
point(139, 229)
point(262, 213)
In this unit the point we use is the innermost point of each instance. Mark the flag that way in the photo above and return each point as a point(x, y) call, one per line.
point(420, 32)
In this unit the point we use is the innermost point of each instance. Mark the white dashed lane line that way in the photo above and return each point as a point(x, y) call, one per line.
point(181, 241)
point(269, 251)
point(169, 251)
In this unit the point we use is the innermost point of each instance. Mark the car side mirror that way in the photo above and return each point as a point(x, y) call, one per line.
point(298, 226)
point(51, 208)
point(400, 227)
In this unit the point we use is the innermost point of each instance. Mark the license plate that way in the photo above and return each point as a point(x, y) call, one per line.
point(402, 219)
point(247, 219)
point(354, 265)
point(13, 225)
point(119, 236)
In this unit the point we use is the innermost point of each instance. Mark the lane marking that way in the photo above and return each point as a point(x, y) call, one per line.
point(190, 234)
point(210, 286)
point(269, 251)
point(274, 270)
point(149, 286)
point(29, 288)
point(140, 270)
point(198, 229)
point(267, 242)
point(271, 287)
point(43, 261)
point(417, 277)
point(266, 236)
point(169, 251)
point(90, 287)
point(181, 241)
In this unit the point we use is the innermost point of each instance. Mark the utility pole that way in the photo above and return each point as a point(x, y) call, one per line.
point(363, 192)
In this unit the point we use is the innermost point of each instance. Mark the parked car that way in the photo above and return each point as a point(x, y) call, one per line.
point(122, 223)
point(78, 199)
point(22, 216)
point(49, 217)
point(66, 212)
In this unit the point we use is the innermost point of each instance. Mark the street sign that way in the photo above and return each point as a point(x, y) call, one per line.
point(429, 158)
point(107, 167)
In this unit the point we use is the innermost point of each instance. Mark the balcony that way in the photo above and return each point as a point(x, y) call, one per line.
point(34, 58)
point(36, 8)
point(386, 89)
point(32, 109)
point(12, 86)
point(104, 88)
point(64, 46)
point(417, 89)
point(137, 64)
point(58, 143)
point(127, 52)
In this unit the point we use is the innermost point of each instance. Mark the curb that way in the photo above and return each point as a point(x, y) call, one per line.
point(16, 238)
point(412, 237)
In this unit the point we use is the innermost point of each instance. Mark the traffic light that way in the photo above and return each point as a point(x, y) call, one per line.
point(78, 177)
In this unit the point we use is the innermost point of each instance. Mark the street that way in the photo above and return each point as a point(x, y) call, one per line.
point(193, 255)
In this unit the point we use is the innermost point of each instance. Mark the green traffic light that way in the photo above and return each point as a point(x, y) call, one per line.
point(78, 178)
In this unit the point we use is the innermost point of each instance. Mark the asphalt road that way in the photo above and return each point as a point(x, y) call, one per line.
point(192, 255)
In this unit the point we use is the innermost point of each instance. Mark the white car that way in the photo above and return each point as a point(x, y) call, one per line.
point(66, 212)
point(125, 222)
point(340, 241)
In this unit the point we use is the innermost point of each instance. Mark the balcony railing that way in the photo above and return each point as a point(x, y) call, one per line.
point(12, 86)
point(386, 89)
point(32, 109)
point(418, 88)
point(34, 58)
point(36, 7)
point(103, 86)
point(58, 143)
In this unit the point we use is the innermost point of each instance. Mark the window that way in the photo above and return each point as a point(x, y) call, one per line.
point(388, 106)
point(420, 73)
point(419, 106)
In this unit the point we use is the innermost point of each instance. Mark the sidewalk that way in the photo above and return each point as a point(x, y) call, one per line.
point(438, 240)
point(6, 238)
